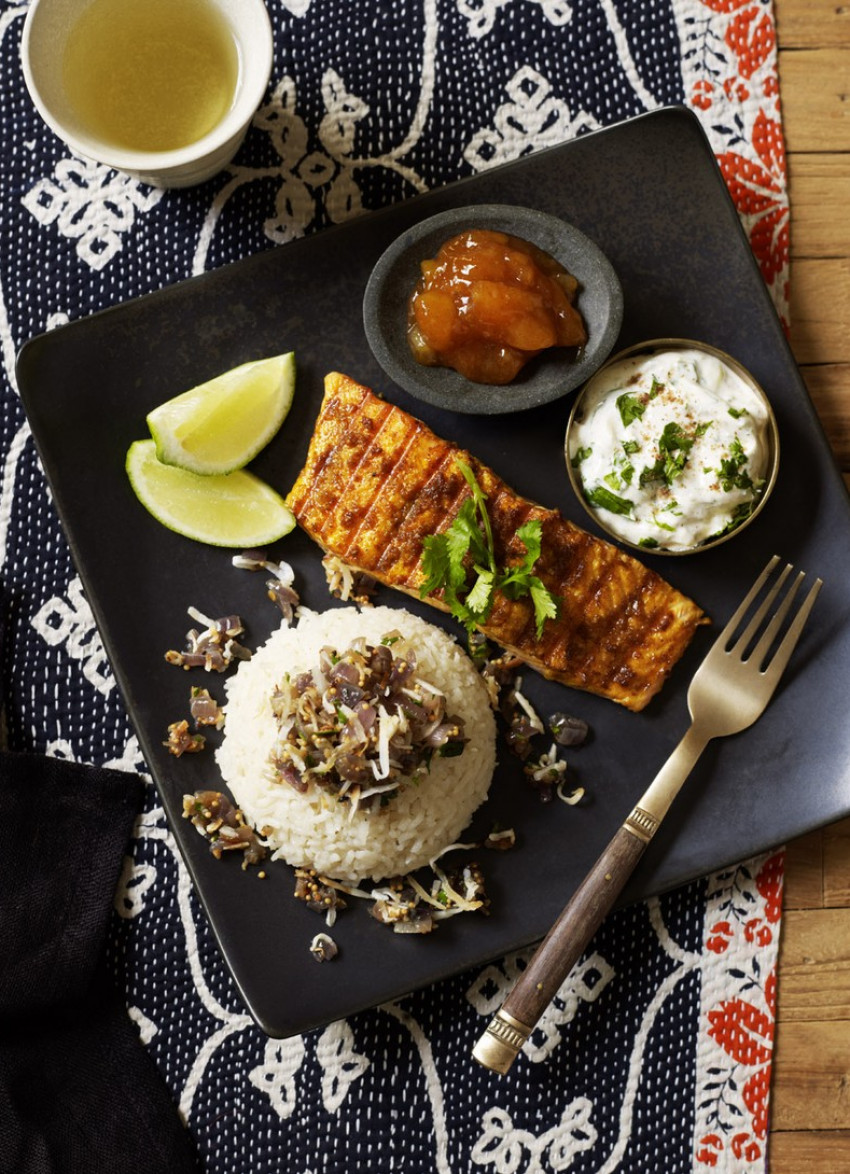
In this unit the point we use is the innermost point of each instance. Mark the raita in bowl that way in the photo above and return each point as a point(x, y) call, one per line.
point(672, 446)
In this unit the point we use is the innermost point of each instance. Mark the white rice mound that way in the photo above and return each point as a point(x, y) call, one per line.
point(315, 830)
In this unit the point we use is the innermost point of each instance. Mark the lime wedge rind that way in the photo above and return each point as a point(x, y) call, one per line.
point(233, 510)
point(220, 425)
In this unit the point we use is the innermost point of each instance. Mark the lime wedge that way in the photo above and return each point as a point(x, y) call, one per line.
point(221, 425)
point(232, 509)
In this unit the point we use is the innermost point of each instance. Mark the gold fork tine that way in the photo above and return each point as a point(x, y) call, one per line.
point(753, 626)
point(780, 659)
point(760, 651)
point(741, 610)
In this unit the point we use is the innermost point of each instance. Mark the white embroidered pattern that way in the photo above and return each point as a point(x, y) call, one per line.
point(7, 486)
point(308, 178)
point(92, 204)
point(686, 963)
point(433, 1085)
point(532, 118)
point(481, 15)
point(135, 882)
point(341, 1065)
point(70, 622)
point(303, 177)
point(276, 1075)
point(131, 759)
point(147, 1028)
point(506, 1148)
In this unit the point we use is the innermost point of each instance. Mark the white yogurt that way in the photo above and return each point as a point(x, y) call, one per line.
point(671, 448)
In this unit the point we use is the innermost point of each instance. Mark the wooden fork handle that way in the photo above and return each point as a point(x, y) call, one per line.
point(564, 944)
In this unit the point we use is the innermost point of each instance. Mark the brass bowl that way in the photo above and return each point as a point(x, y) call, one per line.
point(654, 346)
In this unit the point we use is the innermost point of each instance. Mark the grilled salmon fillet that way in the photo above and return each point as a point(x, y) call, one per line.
point(377, 482)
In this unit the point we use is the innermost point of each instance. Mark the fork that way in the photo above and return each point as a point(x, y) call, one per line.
point(729, 691)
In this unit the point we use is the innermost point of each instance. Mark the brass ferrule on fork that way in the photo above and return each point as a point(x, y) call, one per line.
point(501, 1043)
point(642, 824)
point(654, 803)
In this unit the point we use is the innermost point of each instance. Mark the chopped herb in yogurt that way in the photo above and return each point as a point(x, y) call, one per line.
point(604, 499)
point(732, 471)
point(630, 408)
point(672, 447)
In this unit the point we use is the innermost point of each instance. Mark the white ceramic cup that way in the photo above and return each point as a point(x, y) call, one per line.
point(45, 35)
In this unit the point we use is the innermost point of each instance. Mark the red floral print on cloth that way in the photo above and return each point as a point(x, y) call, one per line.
point(752, 38)
point(750, 35)
point(743, 913)
point(733, 84)
point(758, 189)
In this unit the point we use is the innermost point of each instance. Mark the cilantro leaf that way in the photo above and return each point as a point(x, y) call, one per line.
point(545, 603)
point(479, 601)
point(513, 580)
point(674, 446)
point(464, 536)
point(436, 563)
point(530, 535)
point(731, 471)
point(446, 560)
point(630, 408)
point(479, 497)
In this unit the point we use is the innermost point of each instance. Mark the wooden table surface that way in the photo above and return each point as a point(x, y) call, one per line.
point(810, 1104)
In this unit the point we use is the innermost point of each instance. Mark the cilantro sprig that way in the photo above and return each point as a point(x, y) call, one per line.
point(732, 472)
point(674, 446)
point(632, 407)
point(462, 563)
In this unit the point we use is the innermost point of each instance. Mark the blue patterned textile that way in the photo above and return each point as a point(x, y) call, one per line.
point(369, 104)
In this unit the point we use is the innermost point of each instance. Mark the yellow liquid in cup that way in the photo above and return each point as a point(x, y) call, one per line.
point(150, 75)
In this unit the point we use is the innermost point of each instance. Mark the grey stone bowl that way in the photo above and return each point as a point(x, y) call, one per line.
point(550, 375)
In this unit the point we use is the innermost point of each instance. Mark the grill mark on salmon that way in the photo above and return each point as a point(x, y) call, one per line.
point(377, 482)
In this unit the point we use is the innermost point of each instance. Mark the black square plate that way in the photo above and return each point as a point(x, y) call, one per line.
point(649, 192)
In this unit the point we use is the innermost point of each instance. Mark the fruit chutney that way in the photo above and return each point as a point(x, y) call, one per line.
point(488, 303)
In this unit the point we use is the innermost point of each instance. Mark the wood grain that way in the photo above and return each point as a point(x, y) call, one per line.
point(815, 966)
point(818, 117)
point(819, 187)
point(811, 1089)
point(810, 1100)
point(812, 1151)
point(812, 24)
point(820, 309)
